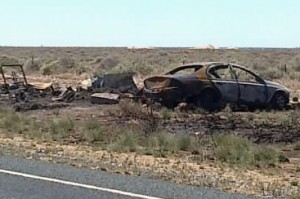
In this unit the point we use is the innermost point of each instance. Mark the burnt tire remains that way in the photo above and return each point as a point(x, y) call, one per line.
point(279, 101)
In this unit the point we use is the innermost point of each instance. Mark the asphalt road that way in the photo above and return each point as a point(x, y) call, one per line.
point(28, 179)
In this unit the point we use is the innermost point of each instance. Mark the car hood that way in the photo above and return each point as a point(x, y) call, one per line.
point(276, 85)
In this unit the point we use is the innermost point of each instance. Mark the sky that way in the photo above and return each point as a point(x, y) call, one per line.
point(157, 23)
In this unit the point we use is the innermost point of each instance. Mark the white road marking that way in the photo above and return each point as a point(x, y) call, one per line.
point(86, 186)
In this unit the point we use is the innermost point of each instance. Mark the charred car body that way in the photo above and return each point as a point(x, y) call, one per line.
point(212, 85)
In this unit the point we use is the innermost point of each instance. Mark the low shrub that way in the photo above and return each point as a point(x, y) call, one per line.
point(128, 141)
point(109, 62)
point(166, 142)
point(237, 150)
point(185, 142)
point(131, 109)
point(233, 149)
point(60, 128)
point(165, 113)
point(12, 122)
point(93, 132)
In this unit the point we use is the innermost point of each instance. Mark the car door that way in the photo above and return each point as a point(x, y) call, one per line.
point(224, 79)
point(253, 90)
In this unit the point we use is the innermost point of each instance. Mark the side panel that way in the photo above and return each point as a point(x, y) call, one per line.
point(229, 90)
point(253, 93)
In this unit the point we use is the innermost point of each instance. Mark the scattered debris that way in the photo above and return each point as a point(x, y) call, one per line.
point(42, 86)
point(16, 90)
point(105, 98)
point(294, 104)
point(122, 82)
point(66, 96)
point(106, 89)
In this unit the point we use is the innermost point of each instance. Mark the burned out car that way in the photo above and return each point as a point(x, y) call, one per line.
point(212, 85)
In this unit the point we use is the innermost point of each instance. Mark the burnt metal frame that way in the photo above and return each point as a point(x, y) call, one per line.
point(12, 66)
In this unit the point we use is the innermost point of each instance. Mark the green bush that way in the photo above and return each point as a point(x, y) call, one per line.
point(46, 70)
point(12, 122)
point(92, 125)
point(266, 155)
point(94, 132)
point(166, 142)
point(233, 149)
point(60, 128)
point(185, 142)
point(237, 150)
point(151, 144)
point(128, 141)
point(109, 63)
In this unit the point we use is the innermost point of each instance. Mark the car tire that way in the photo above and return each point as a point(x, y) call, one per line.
point(209, 101)
point(279, 101)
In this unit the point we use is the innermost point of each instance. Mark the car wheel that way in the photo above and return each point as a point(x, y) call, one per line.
point(209, 101)
point(279, 101)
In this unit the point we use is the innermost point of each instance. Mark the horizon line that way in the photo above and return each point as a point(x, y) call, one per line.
point(141, 47)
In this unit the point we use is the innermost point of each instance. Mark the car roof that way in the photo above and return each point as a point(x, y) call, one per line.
point(207, 64)
point(201, 63)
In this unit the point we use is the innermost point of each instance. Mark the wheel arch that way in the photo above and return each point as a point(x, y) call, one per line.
point(278, 91)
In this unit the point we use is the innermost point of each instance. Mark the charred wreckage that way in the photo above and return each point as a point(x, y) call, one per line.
point(212, 85)
point(207, 85)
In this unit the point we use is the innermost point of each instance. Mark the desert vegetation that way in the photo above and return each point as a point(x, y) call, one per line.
point(226, 148)
point(271, 63)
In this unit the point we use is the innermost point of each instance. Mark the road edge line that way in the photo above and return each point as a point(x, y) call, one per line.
point(70, 183)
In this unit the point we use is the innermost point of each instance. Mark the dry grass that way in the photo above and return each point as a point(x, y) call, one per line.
point(132, 138)
point(179, 169)
point(240, 151)
point(270, 62)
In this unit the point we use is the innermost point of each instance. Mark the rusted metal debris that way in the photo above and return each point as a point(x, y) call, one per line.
point(213, 85)
point(66, 95)
point(106, 89)
point(105, 98)
point(16, 89)
point(122, 83)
